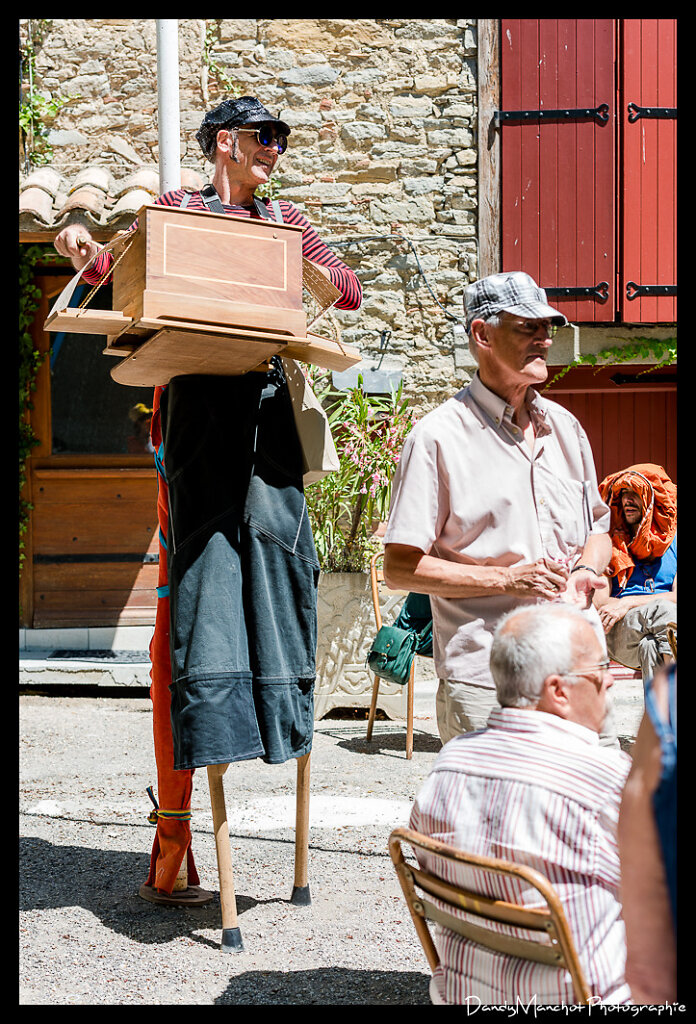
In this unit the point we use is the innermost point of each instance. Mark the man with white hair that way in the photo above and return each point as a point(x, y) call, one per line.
point(535, 787)
point(495, 501)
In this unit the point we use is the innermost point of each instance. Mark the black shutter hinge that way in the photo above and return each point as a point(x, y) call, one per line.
point(634, 112)
point(635, 291)
point(598, 291)
point(600, 114)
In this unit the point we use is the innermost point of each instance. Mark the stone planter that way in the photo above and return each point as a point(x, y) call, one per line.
point(346, 626)
point(346, 623)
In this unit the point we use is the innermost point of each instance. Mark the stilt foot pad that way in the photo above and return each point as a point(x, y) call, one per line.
point(193, 895)
point(231, 941)
point(300, 896)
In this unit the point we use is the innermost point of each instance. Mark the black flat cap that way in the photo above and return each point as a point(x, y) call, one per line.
point(233, 114)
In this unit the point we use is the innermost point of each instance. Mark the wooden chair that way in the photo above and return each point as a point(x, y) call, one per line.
point(378, 588)
point(549, 922)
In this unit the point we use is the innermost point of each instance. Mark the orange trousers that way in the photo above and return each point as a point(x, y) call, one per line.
point(173, 837)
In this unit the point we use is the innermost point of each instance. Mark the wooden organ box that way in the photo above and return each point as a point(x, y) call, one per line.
point(206, 293)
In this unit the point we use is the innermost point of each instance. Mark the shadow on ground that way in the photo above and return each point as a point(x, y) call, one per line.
point(53, 876)
point(328, 986)
point(390, 742)
point(106, 883)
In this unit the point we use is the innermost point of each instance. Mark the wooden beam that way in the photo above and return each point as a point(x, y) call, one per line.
point(488, 146)
point(46, 237)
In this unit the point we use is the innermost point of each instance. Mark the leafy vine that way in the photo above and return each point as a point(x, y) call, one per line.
point(35, 108)
point(662, 350)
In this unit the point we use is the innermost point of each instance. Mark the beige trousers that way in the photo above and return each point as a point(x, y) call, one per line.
point(639, 639)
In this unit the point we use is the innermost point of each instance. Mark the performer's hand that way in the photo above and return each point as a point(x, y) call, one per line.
point(543, 578)
point(77, 244)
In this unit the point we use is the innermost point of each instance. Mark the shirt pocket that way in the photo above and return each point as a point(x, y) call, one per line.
point(569, 511)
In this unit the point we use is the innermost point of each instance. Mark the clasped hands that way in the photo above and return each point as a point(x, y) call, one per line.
point(553, 580)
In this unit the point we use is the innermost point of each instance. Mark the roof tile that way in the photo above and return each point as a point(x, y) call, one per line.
point(35, 202)
point(85, 197)
point(144, 178)
point(96, 176)
point(45, 178)
point(94, 196)
point(130, 202)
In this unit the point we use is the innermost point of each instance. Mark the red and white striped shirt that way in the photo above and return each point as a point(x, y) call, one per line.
point(342, 277)
point(538, 790)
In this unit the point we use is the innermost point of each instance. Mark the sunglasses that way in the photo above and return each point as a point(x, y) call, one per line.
point(266, 136)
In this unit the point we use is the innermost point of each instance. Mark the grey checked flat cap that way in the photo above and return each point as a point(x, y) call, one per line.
point(512, 292)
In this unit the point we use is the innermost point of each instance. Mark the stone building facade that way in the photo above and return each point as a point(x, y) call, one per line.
point(382, 161)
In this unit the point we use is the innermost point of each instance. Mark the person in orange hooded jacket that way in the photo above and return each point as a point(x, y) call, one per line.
point(639, 601)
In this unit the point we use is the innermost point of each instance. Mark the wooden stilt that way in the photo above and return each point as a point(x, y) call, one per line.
point(181, 881)
point(300, 893)
point(231, 935)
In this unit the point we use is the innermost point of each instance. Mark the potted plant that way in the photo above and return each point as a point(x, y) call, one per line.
point(346, 510)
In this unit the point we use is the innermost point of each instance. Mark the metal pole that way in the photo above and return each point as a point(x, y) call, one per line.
point(168, 103)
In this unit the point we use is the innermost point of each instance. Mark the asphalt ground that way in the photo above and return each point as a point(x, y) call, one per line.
point(87, 937)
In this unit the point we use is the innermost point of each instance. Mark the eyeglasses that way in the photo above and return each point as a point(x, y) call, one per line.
point(266, 136)
point(530, 327)
point(602, 666)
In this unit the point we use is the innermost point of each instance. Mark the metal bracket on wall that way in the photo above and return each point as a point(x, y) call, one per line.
point(598, 291)
point(600, 114)
point(635, 291)
point(646, 381)
point(634, 112)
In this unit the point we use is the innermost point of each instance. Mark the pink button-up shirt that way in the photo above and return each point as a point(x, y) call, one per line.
point(540, 791)
point(468, 489)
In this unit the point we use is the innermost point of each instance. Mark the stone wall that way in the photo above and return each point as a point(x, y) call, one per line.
point(383, 114)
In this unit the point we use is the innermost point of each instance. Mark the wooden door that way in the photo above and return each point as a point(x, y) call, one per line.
point(91, 548)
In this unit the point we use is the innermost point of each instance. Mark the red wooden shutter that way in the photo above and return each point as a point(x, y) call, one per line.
point(558, 177)
point(649, 168)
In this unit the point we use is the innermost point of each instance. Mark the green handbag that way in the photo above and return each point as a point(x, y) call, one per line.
point(392, 654)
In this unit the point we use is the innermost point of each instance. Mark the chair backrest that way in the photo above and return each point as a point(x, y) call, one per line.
point(554, 947)
point(384, 599)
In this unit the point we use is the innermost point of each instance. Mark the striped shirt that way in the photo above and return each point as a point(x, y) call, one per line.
point(538, 790)
point(342, 277)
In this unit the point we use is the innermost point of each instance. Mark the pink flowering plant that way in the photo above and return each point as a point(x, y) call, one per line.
point(347, 506)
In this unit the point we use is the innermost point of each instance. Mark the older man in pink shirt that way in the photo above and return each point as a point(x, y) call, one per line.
point(495, 500)
point(534, 787)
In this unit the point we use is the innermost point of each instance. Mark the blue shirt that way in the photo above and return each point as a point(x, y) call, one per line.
point(654, 577)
